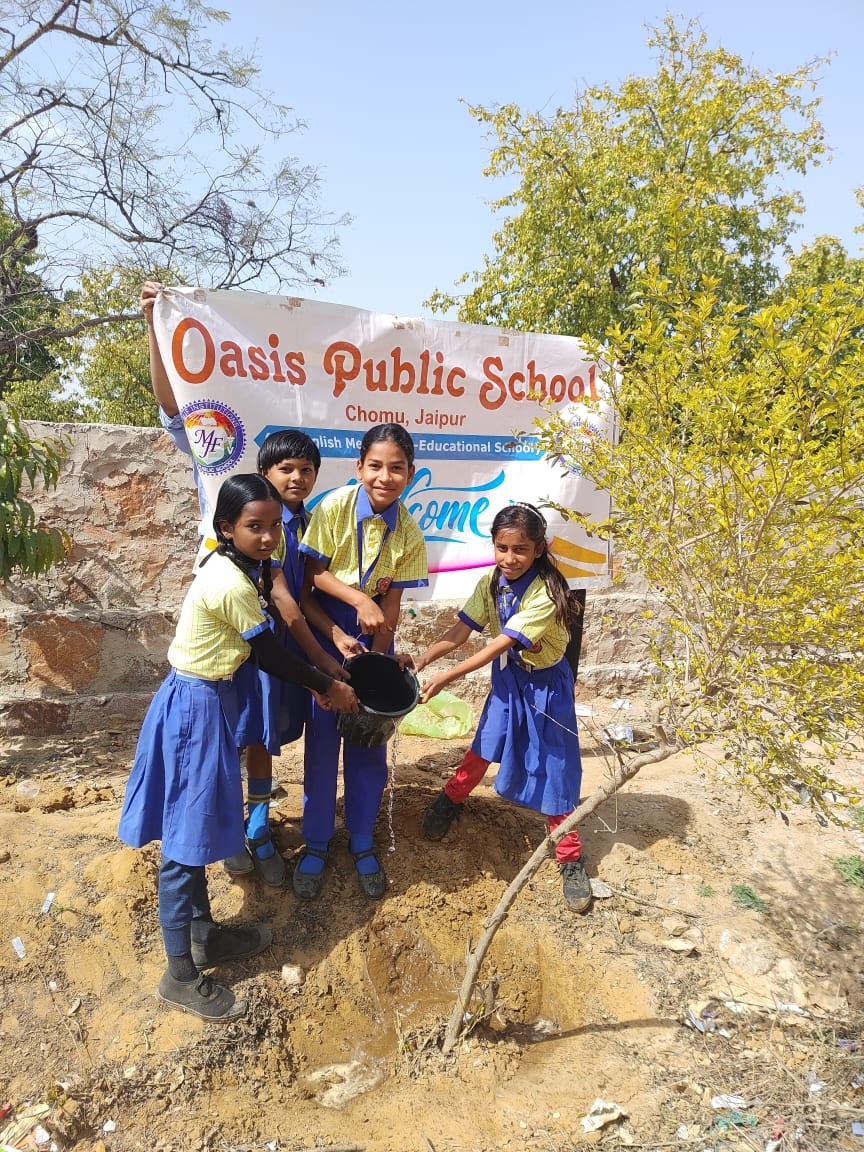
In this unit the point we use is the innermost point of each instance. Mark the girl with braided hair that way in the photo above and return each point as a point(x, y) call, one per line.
point(185, 787)
point(528, 724)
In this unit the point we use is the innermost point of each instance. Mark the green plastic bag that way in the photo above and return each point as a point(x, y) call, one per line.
point(445, 717)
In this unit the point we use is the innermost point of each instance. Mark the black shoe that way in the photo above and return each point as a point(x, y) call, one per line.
point(577, 886)
point(270, 868)
point(372, 884)
point(201, 998)
point(308, 885)
point(439, 816)
point(240, 864)
point(217, 945)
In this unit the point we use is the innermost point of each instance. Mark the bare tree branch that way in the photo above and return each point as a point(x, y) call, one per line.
point(128, 138)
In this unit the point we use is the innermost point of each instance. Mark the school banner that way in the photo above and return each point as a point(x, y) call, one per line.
point(244, 364)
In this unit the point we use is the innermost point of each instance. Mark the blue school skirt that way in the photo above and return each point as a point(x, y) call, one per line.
point(294, 701)
point(540, 763)
point(259, 700)
point(271, 711)
point(185, 787)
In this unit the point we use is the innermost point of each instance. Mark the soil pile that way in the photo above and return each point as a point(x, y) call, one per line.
point(714, 994)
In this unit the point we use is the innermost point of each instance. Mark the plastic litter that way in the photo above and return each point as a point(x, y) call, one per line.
point(18, 945)
point(737, 1119)
point(28, 789)
point(585, 710)
point(781, 1006)
point(702, 1016)
point(727, 1101)
point(619, 733)
point(857, 1128)
point(601, 1113)
point(46, 904)
point(600, 891)
point(815, 1086)
point(444, 717)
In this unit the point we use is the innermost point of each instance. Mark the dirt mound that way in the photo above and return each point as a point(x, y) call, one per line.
point(665, 996)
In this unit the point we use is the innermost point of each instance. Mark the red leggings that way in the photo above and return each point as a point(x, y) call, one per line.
point(469, 774)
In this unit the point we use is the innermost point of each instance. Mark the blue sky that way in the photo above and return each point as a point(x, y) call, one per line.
point(381, 85)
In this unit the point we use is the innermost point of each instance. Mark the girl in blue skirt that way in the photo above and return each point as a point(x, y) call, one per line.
point(528, 725)
point(185, 787)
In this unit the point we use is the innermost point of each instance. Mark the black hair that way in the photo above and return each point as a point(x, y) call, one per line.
point(236, 492)
point(528, 519)
point(400, 436)
point(287, 444)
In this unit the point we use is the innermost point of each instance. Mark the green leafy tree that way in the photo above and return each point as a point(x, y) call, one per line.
point(648, 221)
point(682, 170)
point(737, 490)
point(25, 305)
point(103, 375)
point(823, 262)
point(26, 546)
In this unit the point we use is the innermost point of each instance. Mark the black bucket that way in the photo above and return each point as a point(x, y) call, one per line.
point(386, 692)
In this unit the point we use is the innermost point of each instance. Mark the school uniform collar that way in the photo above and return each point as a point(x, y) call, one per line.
point(290, 519)
point(519, 586)
point(365, 510)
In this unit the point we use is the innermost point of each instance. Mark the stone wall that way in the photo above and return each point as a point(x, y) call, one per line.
point(82, 648)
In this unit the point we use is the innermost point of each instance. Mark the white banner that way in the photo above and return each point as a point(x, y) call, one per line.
point(243, 364)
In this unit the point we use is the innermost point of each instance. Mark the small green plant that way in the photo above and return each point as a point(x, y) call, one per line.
point(706, 890)
point(851, 868)
point(26, 545)
point(745, 897)
point(857, 815)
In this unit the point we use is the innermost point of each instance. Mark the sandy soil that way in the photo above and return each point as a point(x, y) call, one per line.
point(581, 1007)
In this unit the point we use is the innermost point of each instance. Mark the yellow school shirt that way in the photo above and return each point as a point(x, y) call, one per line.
point(394, 551)
point(533, 626)
point(220, 614)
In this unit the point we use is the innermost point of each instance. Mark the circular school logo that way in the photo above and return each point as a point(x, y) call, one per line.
point(215, 434)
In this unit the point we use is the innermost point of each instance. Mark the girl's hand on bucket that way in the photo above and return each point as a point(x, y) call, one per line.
point(405, 659)
point(348, 645)
point(340, 698)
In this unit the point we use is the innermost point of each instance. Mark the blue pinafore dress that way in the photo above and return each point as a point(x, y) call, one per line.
point(528, 727)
